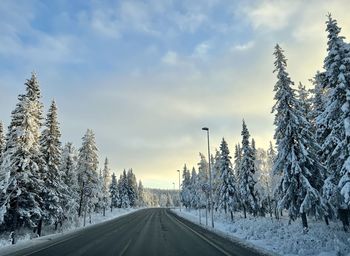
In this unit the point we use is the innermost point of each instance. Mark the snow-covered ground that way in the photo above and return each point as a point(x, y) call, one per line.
point(278, 236)
point(26, 236)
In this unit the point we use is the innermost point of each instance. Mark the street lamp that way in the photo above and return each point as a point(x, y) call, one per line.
point(174, 185)
point(179, 190)
point(210, 185)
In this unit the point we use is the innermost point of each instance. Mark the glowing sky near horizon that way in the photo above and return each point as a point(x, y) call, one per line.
point(146, 76)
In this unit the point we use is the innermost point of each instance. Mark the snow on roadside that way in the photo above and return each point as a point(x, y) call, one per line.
point(278, 236)
point(27, 239)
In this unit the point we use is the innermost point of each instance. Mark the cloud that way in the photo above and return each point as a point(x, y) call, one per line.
point(243, 47)
point(201, 50)
point(170, 58)
point(149, 76)
point(273, 15)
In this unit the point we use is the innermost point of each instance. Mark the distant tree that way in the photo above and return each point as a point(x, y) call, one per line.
point(141, 195)
point(68, 167)
point(194, 192)
point(185, 191)
point(203, 181)
point(132, 188)
point(123, 191)
point(105, 192)
point(228, 191)
point(216, 179)
point(237, 159)
point(87, 173)
point(247, 169)
point(114, 193)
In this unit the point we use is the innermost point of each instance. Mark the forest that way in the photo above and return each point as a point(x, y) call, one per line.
point(306, 172)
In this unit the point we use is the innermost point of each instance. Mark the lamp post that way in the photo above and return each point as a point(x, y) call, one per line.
point(174, 185)
point(179, 191)
point(210, 185)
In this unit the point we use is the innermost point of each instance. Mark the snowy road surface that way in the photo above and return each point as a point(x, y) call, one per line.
point(146, 232)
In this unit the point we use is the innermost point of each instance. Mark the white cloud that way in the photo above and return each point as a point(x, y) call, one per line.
point(201, 50)
point(273, 15)
point(170, 58)
point(243, 47)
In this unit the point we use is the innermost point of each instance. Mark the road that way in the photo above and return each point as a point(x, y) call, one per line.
point(146, 232)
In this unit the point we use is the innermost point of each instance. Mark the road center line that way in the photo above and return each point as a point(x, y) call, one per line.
point(125, 248)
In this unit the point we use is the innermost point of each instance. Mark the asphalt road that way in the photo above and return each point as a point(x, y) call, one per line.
point(145, 232)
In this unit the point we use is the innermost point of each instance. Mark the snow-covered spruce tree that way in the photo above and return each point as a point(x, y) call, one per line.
point(123, 191)
point(274, 179)
point(203, 181)
point(55, 189)
point(185, 193)
point(132, 188)
point(2, 140)
point(68, 167)
point(248, 195)
point(21, 183)
point(216, 179)
point(194, 201)
point(105, 192)
point(87, 173)
point(229, 195)
point(99, 204)
point(114, 192)
point(141, 195)
point(298, 164)
point(237, 159)
point(262, 176)
point(332, 122)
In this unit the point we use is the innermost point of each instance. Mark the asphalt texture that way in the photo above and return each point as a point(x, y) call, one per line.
point(146, 232)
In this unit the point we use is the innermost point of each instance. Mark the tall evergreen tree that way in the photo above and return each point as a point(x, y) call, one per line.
point(20, 169)
point(87, 172)
point(131, 188)
point(294, 159)
point(123, 191)
point(105, 193)
point(55, 190)
point(237, 159)
point(194, 192)
point(141, 195)
point(247, 169)
point(114, 193)
point(68, 167)
point(229, 194)
point(330, 122)
point(216, 179)
point(185, 193)
point(203, 181)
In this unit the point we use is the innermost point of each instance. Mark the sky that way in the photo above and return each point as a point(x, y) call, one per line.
point(146, 76)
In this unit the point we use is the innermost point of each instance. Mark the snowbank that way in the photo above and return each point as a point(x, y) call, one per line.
point(278, 236)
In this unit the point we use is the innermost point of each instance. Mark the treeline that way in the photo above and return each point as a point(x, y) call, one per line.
point(42, 182)
point(161, 198)
point(309, 175)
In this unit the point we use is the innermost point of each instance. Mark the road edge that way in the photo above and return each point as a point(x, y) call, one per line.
point(11, 249)
point(233, 239)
